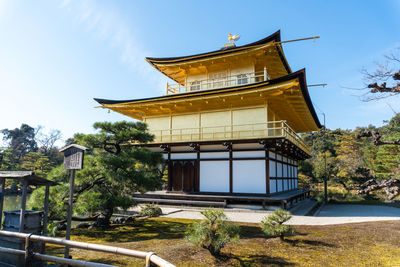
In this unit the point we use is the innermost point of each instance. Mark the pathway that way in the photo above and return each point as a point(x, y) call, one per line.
point(329, 214)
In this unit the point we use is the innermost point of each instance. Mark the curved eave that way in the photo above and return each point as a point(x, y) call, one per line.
point(300, 75)
point(276, 37)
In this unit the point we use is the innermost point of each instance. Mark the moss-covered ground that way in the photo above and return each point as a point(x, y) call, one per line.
point(359, 244)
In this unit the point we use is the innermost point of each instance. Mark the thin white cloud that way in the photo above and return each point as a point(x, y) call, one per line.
point(106, 23)
point(3, 7)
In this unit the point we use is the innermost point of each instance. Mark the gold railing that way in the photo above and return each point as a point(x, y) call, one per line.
point(272, 129)
point(233, 80)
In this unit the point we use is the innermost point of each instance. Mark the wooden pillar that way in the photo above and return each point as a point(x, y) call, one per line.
point(230, 169)
point(23, 206)
point(169, 171)
point(46, 209)
point(197, 184)
point(276, 172)
point(69, 215)
point(267, 171)
point(3, 181)
point(265, 73)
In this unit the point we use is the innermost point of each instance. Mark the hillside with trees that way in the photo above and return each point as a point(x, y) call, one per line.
point(349, 159)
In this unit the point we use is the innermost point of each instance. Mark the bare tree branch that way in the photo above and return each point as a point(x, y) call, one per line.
point(376, 137)
point(391, 187)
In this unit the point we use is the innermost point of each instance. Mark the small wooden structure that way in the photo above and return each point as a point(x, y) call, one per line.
point(23, 221)
point(26, 178)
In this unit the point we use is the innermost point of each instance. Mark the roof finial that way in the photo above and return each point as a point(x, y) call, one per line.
point(231, 44)
point(233, 37)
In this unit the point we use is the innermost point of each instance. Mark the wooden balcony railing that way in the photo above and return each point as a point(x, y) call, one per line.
point(229, 81)
point(273, 129)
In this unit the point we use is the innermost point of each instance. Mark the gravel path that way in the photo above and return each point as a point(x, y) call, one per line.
point(329, 214)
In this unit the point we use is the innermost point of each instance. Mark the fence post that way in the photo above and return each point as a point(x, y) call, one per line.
point(148, 256)
point(28, 251)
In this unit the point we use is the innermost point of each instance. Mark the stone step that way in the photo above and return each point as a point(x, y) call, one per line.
point(304, 207)
point(181, 202)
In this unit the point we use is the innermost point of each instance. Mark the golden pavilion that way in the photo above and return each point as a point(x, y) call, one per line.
point(229, 124)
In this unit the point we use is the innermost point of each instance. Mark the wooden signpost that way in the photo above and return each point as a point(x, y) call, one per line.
point(73, 160)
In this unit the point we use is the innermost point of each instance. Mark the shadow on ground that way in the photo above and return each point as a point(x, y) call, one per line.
point(142, 229)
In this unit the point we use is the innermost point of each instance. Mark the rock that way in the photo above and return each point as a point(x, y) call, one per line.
point(101, 221)
point(119, 220)
point(83, 225)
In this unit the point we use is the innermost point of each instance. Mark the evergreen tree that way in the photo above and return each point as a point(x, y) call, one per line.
point(115, 167)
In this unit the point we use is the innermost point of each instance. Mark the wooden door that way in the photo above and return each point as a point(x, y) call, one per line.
point(176, 176)
point(188, 176)
point(183, 176)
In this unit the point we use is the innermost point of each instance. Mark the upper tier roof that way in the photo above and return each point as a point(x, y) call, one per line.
point(287, 95)
point(174, 66)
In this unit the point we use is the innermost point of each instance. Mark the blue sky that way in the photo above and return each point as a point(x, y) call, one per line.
point(55, 56)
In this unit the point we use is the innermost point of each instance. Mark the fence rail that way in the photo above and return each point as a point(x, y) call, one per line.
point(233, 80)
point(271, 129)
point(149, 257)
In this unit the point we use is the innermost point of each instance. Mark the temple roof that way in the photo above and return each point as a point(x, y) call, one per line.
point(174, 66)
point(288, 95)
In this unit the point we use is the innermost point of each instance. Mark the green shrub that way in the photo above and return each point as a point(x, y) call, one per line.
point(213, 232)
point(52, 229)
point(150, 210)
point(273, 225)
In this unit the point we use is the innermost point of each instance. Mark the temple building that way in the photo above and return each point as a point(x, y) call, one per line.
point(229, 124)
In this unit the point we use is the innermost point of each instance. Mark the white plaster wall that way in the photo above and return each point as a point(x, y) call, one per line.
point(249, 176)
point(249, 154)
point(247, 146)
point(214, 155)
point(272, 186)
point(214, 176)
point(183, 156)
point(272, 169)
point(280, 189)
point(279, 169)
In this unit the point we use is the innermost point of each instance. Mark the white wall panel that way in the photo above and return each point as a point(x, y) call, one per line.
point(214, 155)
point(249, 176)
point(249, 154)
point(272, 186)
point(285, 172)
point(272, 155)
point(272, 168)
point(280, 189)
point(183, 156)
point(214, 176)
point(165, 156)
point(279, 169)
point(286, 181)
